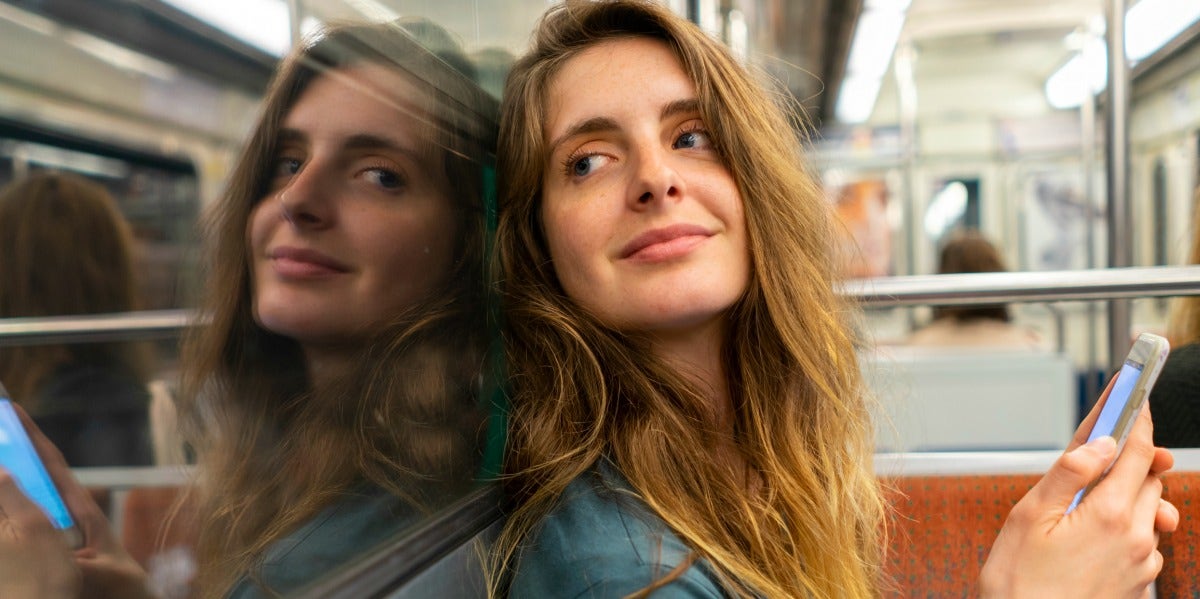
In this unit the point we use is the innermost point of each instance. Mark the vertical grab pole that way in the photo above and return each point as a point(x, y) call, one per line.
point(1120, 251)
point(1087, 115)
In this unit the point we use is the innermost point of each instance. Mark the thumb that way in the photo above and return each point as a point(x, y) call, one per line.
point(1073, 471)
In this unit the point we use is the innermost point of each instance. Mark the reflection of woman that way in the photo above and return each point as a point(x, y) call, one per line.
point(352, 221)
point(65, 249)
point(688, 417)
point(987, 325)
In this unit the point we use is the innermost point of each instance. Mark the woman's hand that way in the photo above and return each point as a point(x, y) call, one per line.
point(1107, 546)
point(107, 570)
point(35, 561)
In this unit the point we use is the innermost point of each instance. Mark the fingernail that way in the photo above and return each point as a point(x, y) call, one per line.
point(1104, 445)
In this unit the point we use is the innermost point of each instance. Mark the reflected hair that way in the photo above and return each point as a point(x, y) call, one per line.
point(65, 249)
point(582, 391)
point(272, 448)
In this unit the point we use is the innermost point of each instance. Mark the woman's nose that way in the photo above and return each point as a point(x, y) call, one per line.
point(655, 179)
point(306, 200)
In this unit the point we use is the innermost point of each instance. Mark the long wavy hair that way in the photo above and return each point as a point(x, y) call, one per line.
point(582, 391)
point(1183, 326)
point(274, 449)
point(65, 249)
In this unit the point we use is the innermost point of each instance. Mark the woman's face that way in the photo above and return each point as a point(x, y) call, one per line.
point(369, 227)
point(643, 220)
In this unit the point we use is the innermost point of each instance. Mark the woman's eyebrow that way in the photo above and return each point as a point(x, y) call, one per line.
point(287, 136)
point(593, 125)
point(369, 141)
point(686, 106)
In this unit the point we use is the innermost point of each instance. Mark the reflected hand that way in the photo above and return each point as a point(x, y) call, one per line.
point(35, 561)
point(107, 569)
point(1108, 546)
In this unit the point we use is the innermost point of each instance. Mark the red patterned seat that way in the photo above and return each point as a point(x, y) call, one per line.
point(1180, 576)
point(943, 528)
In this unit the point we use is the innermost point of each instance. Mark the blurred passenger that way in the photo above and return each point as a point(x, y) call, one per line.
point(688, 418)
point(987, 325)
point(1175, 399)
point(65, 249)
point(333, 398)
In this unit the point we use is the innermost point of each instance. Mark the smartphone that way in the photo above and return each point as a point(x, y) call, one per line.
point(1129, 392)
point(20, 459)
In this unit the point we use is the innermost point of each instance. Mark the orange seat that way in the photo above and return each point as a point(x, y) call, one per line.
point(1180, 576)
point(943, 528)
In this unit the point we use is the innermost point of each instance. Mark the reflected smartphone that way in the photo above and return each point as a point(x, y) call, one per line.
point(1120, 411)
point(20, 459)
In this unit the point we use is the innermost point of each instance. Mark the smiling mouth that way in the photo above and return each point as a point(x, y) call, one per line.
point(304, 264)
point(665, 243)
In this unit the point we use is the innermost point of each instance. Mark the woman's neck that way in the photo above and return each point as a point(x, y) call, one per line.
point(697, 354)
point(326, 363)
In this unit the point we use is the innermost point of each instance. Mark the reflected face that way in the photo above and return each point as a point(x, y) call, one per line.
point(369, 226)
point(643, 220)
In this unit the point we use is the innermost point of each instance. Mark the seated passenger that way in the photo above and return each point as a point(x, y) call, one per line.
point(688, 418)
point(1175, 399)
point(65, 249)
point(332, 399)
point(987, 326)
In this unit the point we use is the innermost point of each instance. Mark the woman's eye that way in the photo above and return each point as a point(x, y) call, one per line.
point(692, 140)
point(385, 178)
point(585, 165)
point(286, 167)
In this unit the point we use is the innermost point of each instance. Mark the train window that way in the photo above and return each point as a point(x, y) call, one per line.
point(339, 381)
point(953, 206)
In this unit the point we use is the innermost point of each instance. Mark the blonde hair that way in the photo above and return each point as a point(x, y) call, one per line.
point(65, 249)
point(582, 390)
point(273, 449)
point(1183, 326)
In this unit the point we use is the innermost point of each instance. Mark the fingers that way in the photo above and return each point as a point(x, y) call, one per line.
point(1136, 457)
point(18, 508)
point(1166, 517)
point(1073, 471)
point(89, 517)
point(1163, 461)
point(1085, 428)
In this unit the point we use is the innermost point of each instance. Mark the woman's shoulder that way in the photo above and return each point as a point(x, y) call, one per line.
point(601, 540)
point(360, 522)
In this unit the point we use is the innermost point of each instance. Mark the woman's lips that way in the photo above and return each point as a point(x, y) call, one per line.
point(303, 263)
point(665, 243)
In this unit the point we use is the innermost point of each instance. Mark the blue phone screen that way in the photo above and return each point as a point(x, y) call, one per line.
point(19, 458)
point(1110, 414)
point(1117, 398)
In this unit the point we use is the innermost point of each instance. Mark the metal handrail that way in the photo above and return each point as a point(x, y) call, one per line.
point(149, 324)
point(924, 290)
point(1008, 287)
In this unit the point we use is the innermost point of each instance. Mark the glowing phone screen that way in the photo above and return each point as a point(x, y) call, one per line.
point(18, 457)
point(1111, 413)
point(1114, 407)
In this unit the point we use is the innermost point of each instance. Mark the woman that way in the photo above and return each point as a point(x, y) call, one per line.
point(332, 399)
point(688, 417)
point(984, 326)
point(65, 249)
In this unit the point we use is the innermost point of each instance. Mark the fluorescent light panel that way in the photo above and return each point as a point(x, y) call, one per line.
point(260, 23)
point(875, 37)
point(1149, 25)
